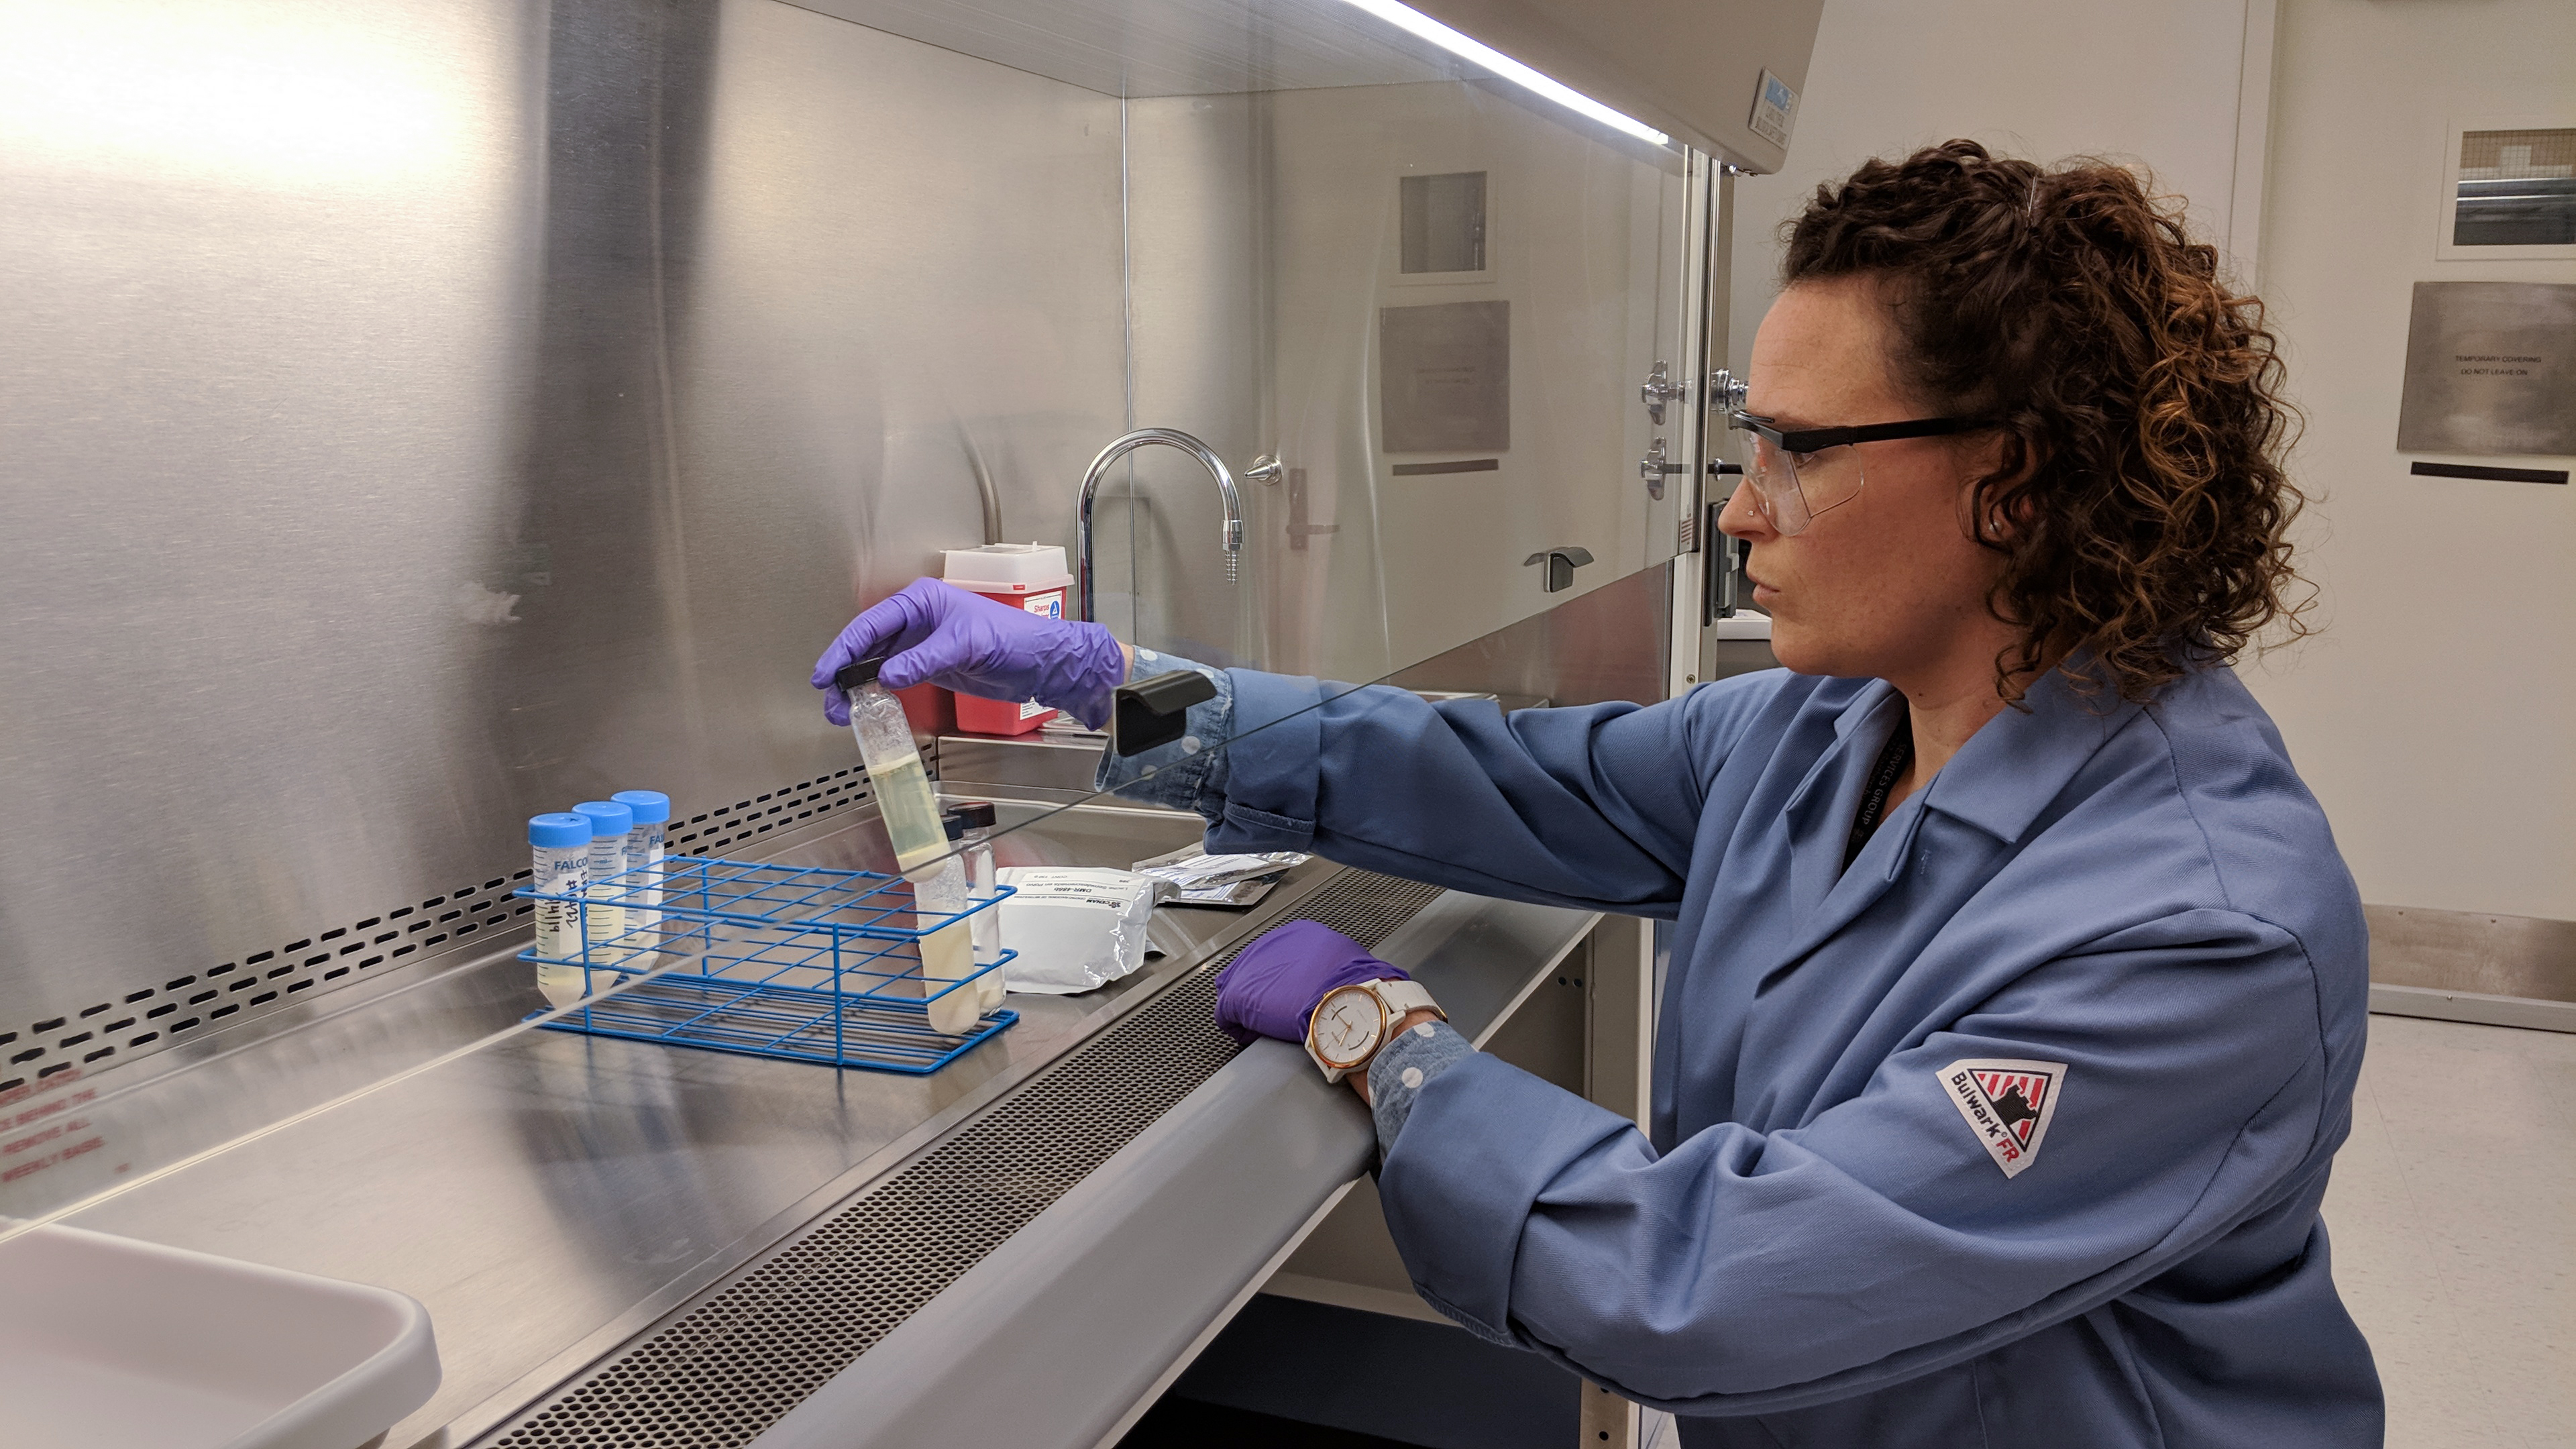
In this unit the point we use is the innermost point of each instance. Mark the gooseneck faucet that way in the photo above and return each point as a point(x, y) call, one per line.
point(1263, 469)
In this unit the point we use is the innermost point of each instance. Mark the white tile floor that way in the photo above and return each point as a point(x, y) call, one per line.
point(2453, 1214)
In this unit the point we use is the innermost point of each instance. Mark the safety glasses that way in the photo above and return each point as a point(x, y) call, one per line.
point(1799, 473)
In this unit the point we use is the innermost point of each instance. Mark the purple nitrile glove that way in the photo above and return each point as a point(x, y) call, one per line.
point(939, 634)
point(1273, 985)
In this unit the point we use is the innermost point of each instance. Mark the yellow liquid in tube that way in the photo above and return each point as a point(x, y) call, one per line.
point(911, 815)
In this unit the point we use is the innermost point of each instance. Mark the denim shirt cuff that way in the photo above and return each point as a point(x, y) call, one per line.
point(1406, 1065)
point(1189, 773)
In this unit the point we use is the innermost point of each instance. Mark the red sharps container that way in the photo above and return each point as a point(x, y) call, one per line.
point(1029, 576)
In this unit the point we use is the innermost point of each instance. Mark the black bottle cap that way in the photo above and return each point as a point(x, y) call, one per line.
point(978, 814)
point(954, 822)
point(863, 672)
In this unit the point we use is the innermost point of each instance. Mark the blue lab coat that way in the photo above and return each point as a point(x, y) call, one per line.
point(2138, 912)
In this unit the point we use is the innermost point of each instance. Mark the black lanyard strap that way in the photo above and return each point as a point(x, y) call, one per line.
point(1893, 761)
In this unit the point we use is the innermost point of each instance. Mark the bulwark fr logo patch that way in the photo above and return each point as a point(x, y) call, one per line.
point(2009, 1105)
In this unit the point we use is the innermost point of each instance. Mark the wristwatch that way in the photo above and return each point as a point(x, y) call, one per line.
point(1352, 1022)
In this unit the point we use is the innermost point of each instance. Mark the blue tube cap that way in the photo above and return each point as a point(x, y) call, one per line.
point(558, 831)
point(651, 807)
point(607, 817)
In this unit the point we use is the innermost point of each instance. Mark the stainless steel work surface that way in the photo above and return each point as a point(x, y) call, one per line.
point(144, 1117)
point(548, 1193)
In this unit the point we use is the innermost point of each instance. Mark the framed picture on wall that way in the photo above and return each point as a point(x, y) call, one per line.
point(2509, 192)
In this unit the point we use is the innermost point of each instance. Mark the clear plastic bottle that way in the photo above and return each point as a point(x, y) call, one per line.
point(911, 815)
point(975, 820)
point(610, 826)
point(644, 848)
point(560, 845)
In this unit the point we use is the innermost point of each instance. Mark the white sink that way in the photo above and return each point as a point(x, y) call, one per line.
point(111, 1343)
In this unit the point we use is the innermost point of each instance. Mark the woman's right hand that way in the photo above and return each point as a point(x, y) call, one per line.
point(936, 633)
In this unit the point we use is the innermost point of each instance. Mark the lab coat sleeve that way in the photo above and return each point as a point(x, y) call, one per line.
point(1405, 1066)
point(1593, 807)
point(1746, 1272)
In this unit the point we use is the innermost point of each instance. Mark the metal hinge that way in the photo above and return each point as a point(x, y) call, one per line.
point(1655, 467)
point(1725, 391)
point(1659, 389)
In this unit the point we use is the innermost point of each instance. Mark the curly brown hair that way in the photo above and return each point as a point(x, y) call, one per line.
point(2138, 394)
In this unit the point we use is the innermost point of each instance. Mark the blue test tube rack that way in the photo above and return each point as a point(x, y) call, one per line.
point(795, 963)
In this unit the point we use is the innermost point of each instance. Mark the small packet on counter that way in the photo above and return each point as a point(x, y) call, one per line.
point(1232, 893)
point(1220, 880)
point(1075, 927)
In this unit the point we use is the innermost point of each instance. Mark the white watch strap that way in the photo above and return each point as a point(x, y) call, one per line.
point(1402, 998)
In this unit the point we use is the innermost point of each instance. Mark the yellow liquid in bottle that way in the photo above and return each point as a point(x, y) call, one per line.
point(911, 815)
point(910, 810)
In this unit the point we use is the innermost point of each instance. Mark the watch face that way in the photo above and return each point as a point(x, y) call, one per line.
point(1346, 1027)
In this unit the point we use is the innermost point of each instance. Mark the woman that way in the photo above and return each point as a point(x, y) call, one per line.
point(2017, 989)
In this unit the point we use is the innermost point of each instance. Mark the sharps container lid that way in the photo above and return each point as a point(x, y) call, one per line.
point(607, 817)
point(650, 807)
point(558, 830)
point(1007, 568)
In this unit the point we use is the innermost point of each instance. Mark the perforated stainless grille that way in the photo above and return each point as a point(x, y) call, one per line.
point(733, 1364)
point(198, 1003)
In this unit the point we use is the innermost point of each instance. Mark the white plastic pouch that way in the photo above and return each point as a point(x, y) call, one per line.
point(1075, 927)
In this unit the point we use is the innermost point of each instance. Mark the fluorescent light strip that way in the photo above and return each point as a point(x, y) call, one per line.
point(1412, 21)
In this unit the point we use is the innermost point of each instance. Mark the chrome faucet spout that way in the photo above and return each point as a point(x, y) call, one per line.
point(1120, 447)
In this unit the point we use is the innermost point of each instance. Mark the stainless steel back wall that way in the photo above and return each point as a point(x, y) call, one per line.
point(423, 415)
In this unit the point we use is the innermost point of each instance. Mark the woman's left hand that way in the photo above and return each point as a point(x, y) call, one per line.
point(1274, 984)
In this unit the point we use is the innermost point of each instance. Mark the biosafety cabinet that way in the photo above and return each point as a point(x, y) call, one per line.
point(425, 415)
